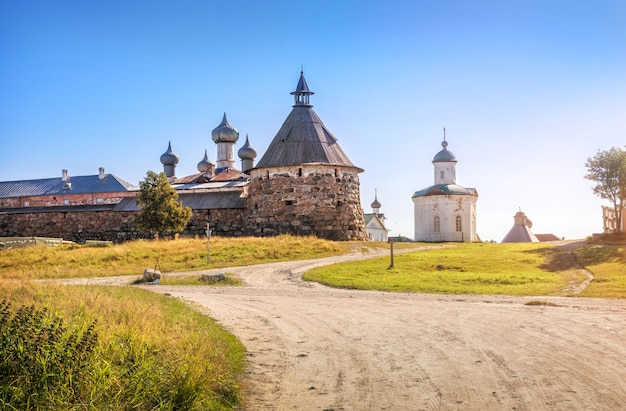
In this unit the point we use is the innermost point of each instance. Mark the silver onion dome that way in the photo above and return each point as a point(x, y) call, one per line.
point(169, 158)
point(225, 132)
point(205, 164)
point(247, 152)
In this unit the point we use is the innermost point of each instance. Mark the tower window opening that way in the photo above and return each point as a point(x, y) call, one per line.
point(300, 172)
point(289, 202)
point(441, 174)
point(459, 226)
point(336, 172)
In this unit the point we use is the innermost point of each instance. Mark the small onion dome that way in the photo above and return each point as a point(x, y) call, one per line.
point(169, 158)
point(225, 132)
point(444, 155)
point(205, 164)
point(376, 203)
point(247, 152)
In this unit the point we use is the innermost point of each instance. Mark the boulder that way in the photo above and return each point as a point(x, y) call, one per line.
point(213, 278)
point(150, 275)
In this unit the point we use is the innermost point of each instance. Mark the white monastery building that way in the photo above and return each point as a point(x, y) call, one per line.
point(445, 211)
point(375, 222)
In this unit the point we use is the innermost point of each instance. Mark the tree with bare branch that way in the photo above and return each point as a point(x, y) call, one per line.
point(608, 170)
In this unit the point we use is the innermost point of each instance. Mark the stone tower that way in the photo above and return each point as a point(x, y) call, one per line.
point(305, 184)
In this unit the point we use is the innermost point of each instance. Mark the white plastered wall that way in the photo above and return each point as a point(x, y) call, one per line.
point(447, 208)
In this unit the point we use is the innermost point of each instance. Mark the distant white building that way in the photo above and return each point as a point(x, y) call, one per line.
point(375, 222)
point(445, 211)
point(520, 232)
point(609, 220)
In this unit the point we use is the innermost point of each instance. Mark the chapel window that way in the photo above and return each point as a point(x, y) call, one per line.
point(437, 224)
point(459, 226)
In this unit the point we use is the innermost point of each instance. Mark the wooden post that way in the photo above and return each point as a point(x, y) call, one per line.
point(391, 241)
point(208, 243)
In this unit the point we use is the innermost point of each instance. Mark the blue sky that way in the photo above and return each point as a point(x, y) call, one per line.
point(527, 91)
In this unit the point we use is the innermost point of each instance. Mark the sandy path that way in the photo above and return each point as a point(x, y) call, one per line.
point(315, 348)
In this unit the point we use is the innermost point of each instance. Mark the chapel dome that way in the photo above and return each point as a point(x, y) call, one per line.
point(225, 132)
point(205, 164)
point(444, 155)
point(247, 152)
point(376, 203)
point(169, 158)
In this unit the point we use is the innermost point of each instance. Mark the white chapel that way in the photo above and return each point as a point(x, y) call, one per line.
point(445, 211)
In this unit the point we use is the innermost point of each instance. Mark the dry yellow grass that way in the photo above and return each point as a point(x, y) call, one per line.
point(71, 261)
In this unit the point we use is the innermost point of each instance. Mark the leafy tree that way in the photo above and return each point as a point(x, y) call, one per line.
point(161, 212)
point(608, 170)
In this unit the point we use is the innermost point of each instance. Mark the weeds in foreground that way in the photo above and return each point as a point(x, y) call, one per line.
point(45, 363)
point(91, 347)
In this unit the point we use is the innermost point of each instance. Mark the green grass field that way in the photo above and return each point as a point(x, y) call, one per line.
point(479, 268)
point(607, 262)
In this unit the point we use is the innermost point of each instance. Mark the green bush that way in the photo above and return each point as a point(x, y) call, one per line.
point(45, 364)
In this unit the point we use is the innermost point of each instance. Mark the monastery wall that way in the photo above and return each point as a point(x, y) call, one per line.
point(310, 199)
point(65, 200)
point(112, 225)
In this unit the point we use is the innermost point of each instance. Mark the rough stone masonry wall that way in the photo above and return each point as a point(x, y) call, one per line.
point(67, 199)
point(117, 226)
point(320, 200)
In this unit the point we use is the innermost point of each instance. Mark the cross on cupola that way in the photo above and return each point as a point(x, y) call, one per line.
point(302, 93)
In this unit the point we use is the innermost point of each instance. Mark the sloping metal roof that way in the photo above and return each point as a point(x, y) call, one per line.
point(520, 233)
point(195, 201)
point(376, 221)
point(58, 209)
point(547, 237)
point(304, 139)
point(445, 189)
point(55, 186)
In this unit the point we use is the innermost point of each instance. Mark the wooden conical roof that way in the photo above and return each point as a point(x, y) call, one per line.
point(304, 139)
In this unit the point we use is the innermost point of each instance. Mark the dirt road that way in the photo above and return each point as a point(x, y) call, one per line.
point(315, 348)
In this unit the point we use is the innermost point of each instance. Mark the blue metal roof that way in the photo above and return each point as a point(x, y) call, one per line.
point(445, 189)
point(196, 201)
point(55, 186)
